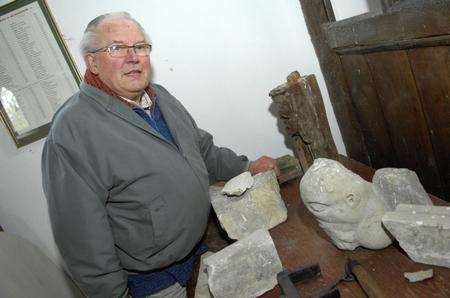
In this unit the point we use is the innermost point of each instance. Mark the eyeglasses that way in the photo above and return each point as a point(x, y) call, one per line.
point(121, 50)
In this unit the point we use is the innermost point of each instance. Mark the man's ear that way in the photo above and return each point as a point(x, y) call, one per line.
point(91, 63)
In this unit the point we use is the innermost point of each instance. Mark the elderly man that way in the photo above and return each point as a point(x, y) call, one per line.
point(126, 172)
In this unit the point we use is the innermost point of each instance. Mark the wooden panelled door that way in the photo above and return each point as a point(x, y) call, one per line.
point(388, 75)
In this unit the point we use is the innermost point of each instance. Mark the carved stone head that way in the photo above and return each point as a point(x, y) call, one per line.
point(345, 205)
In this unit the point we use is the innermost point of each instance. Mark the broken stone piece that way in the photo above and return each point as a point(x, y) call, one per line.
point(247, 268)
point(238, 185)
point(259, 207)
point(422, 231)
point(400, 186)
point(201, 288)
point(419, 275)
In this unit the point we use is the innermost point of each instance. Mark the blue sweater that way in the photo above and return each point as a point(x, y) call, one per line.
point(145, 284)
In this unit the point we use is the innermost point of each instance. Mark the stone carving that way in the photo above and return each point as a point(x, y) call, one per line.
point(300, 107)
point(238, 185)
point(353, 211)
point(399, 186)
point(247, 268)
point(345, 205)
point(422, 231)
point(259, 207)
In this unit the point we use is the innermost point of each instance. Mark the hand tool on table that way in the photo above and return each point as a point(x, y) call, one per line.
point(355, 271)
point(287, 281)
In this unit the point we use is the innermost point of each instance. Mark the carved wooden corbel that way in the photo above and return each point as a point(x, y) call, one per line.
point(301, 109)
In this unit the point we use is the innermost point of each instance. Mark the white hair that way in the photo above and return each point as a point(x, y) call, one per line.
point(90, 36)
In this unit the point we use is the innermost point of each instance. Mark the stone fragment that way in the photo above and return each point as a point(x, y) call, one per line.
point(422, 231)
point(399, 186)
point(419, 275)
point(259, 207)
point(201, 288)
point(238, 185)
point(247, 268)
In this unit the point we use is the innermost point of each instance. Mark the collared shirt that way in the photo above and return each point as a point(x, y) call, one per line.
point(153, 116)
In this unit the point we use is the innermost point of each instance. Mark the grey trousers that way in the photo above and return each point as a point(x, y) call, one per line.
point(174, 291)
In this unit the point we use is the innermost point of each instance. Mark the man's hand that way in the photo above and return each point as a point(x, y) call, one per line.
point(263, 164)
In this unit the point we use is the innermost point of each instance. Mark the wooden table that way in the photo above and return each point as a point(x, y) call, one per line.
point(300, 241)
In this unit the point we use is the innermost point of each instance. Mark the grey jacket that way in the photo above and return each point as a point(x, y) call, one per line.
point(121, 197)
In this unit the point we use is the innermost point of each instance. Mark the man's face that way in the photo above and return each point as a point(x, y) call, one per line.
point(127, 76)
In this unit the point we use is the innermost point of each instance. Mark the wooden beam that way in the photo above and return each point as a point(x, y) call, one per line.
point(329, 10)
point(315, 13)
point(431, 19)
point(434, 41)
point(385, 4)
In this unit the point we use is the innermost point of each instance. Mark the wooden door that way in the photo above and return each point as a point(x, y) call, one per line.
point(388, 76)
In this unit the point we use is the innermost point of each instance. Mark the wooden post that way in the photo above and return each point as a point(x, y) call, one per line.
point(316, 15)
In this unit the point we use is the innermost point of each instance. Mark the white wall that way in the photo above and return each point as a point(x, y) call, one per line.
point(345, 9)
point(219, 58)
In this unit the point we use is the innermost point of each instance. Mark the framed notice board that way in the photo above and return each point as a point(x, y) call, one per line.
point(37, 72)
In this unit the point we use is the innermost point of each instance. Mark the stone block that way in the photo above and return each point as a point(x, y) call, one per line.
point(201, 288)
point(247, 268)
point(422, 231)
point(259, 207)
point(400, 186)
